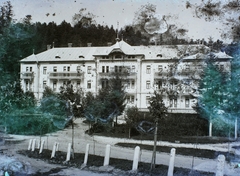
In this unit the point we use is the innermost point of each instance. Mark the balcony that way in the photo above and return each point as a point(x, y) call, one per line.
point(27, 75)
point(124, 75)
point(65, 75)
point(159, 75)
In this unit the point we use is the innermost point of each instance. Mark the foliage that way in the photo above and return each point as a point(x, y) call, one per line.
point(232, 104)
point(109, 102)
point(211, 11)
point(157, 107)
point(48, 92)
point(132, 116)
point(211, 99)
point(29, 124)
point(52, 105)
point(73, 99)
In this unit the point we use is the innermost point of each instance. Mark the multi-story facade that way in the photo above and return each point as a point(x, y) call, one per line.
point(173, 68)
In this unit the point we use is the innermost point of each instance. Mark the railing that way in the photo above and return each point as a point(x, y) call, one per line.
point(27, 75)
point(131, 75)
point(65, 75)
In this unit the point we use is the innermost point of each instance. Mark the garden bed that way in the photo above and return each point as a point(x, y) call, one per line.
point(120, 166)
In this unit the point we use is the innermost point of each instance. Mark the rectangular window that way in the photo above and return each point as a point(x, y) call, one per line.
point(27, 69)
point(44, 84)
point(187, 103)
point(221, 68)
point(54, 85)
point(148, 84)
point(175, 103)
point(78, 69)
point(148, 69)
point(30, 69)
point(27, 86)
point(116, 69)
point(159, 84)
point(171, 103)
point(104, 83)
point(103, 69)
point(64, 68)
point(120, 69)
point(68, 68)
point(133, 69)
point(64, 84)
point(132, 99)
point(55, 69)
point(128, 99)
point(187, 67)
point(160, 68)
point(89, 68)
point(133, 84)
point(44, 70)
point(107, 69)
point(78, 84)
point(147, 100)
point(89, 84)
point(128, 84)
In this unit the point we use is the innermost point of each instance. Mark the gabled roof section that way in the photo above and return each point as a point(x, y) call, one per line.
point(63, 54)
point(121, 47)
point(222, 55)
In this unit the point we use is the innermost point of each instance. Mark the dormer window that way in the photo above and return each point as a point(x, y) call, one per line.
point(81, 56)
point(118, 56)
point(159, 55)
point(57, 56)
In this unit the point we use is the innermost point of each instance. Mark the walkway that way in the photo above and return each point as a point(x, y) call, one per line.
point(98, 144)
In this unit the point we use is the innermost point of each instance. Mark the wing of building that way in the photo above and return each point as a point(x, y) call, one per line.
point(174, 68)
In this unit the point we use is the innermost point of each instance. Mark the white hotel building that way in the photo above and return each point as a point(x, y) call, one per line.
point(175, 68)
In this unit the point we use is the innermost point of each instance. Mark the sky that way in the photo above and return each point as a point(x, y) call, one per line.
point(116, 12)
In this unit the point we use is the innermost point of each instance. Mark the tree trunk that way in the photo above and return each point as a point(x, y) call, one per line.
point(236, 128)
point(210, 128)
point(129, 133)
point(72, 139)
point(154, 147)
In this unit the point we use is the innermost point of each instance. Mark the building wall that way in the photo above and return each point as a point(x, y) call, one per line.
point(145, 76)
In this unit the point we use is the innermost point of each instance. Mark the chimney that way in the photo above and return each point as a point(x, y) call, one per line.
point(69, 45)
point(89, 44)
point(109, 43)
point(48, 47)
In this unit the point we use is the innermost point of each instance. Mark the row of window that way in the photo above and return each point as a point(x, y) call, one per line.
point(118, 69)
point(118, 56)
point(67, 68)
point(173, 102)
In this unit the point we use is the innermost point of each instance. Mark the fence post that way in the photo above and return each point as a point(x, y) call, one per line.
point(54, 150)
point(30, 144)
point(69, 152)
point(220, 165)
point(171, 162)
point(33, 145)
point(107, 155)
point(136, 158)
point(41, 147)
point(86, 154)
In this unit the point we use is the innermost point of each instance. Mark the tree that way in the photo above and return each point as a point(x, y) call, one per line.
point(158, 111)
point(6, 15)
point(226, 12)
point(109, 103)
point(212, 93)
point(131, 118)
point(232, 105)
